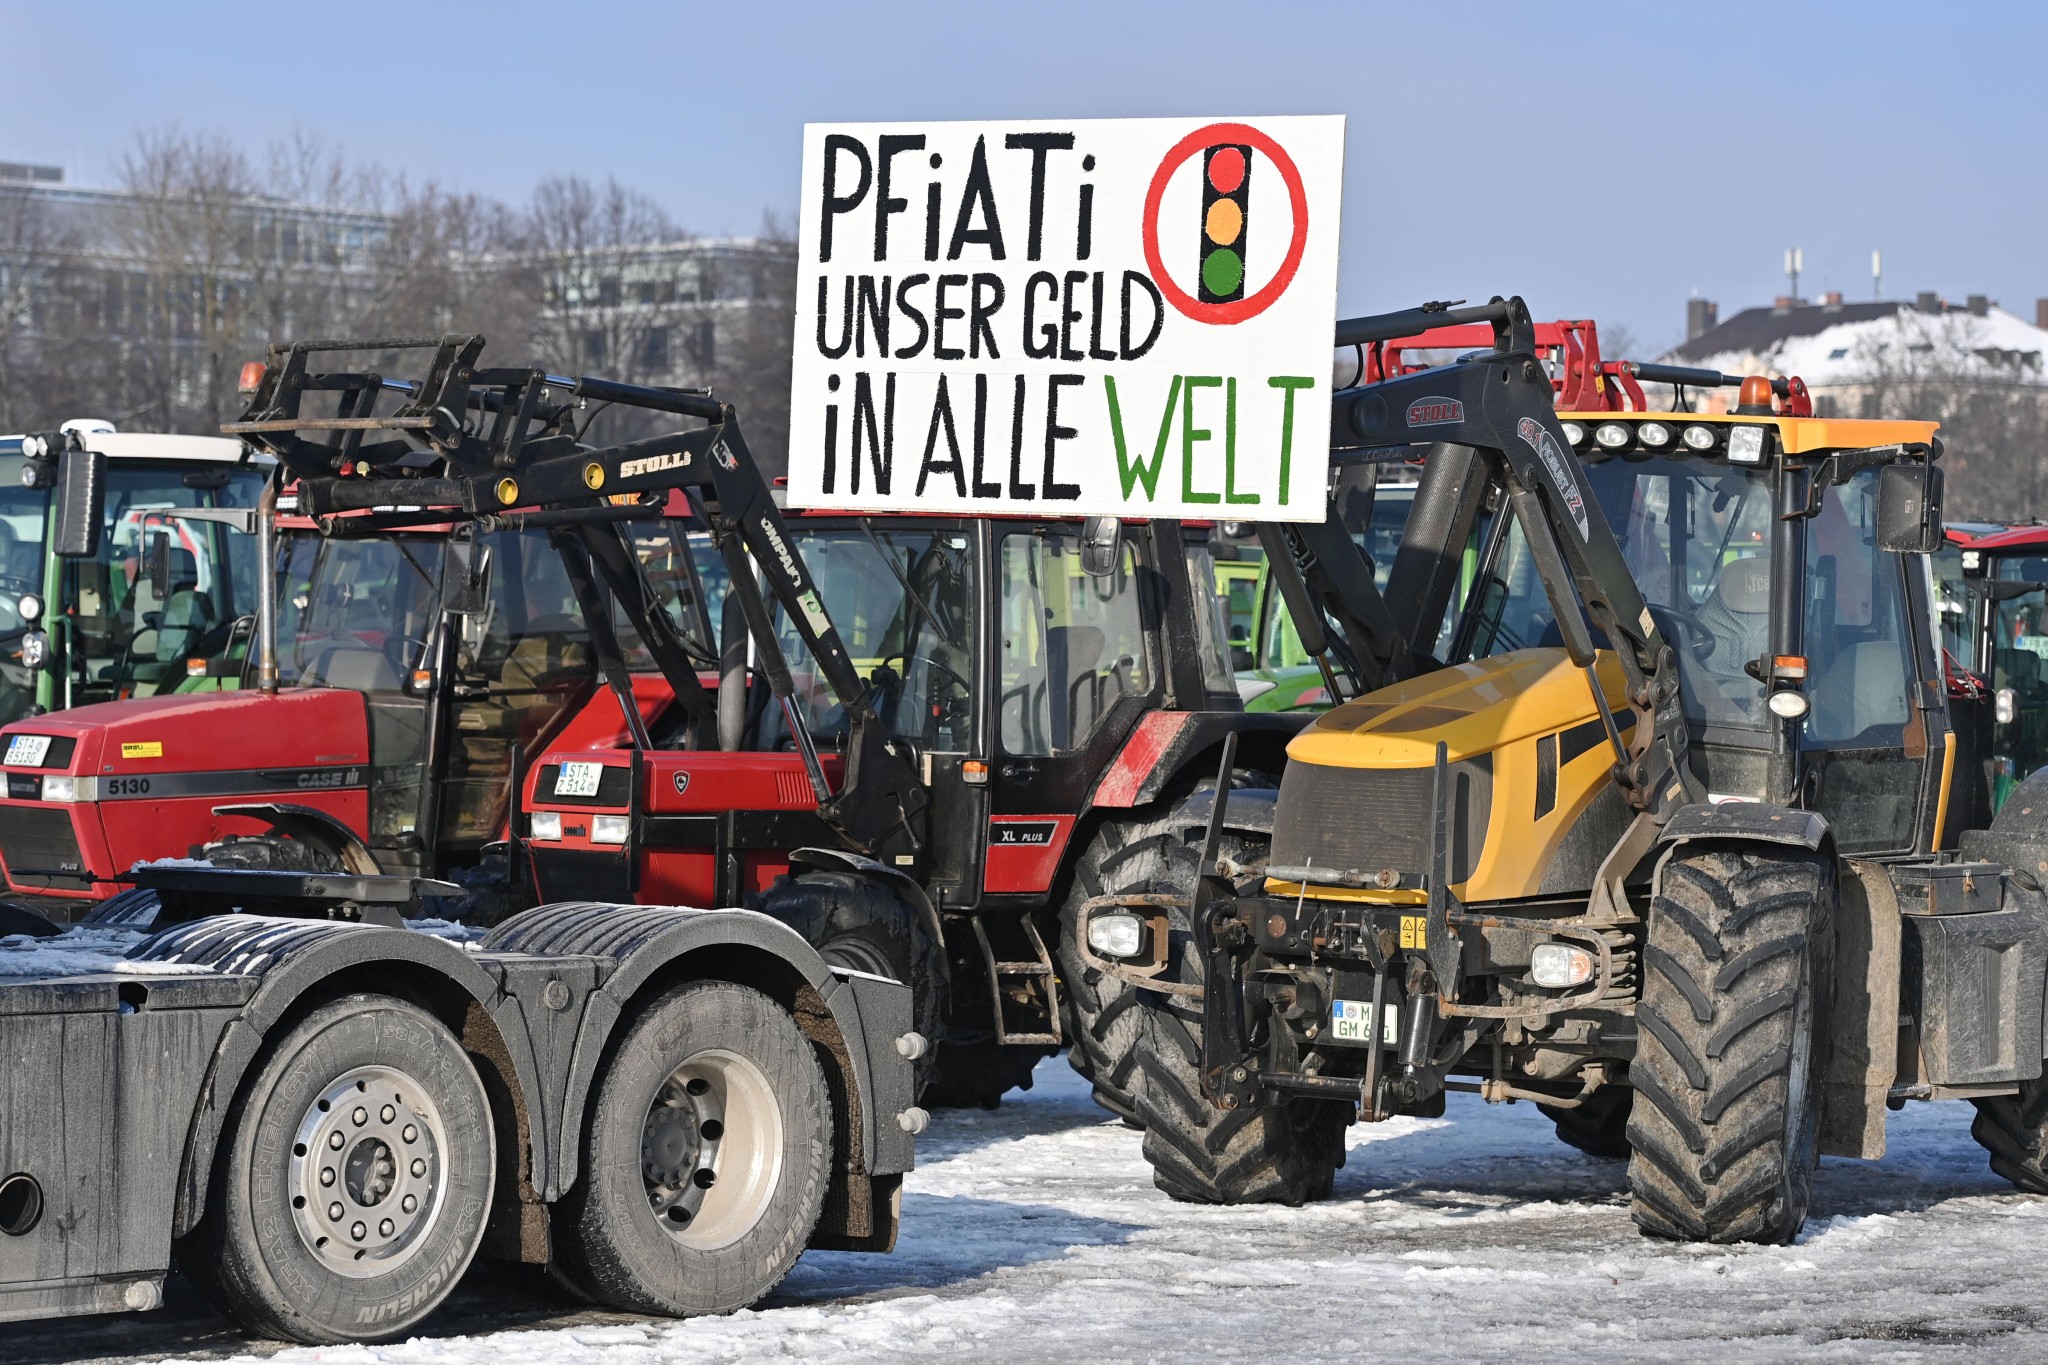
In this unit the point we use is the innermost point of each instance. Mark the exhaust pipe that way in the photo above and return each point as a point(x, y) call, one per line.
point(266, 585)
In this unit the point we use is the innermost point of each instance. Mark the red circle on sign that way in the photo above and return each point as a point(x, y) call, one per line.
point(1223, 314)
point(1226, 170)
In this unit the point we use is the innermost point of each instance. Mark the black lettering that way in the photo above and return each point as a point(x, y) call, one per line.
point(940, 312)
point(1095, 348)
point(931, 217)
point(914, 313)
point(872, 311)
point(888, 146)
point(1126, 351)
point(942, 413)
point(1049, 344)
point(825, 349)
point(1084, 231)
point(836, 204)
point(980, 309)
point(831, 441)
point(977, 191)
point(1019, 489)
point(1054, 434)
point(982, 488)
point(1069, 315)
point(1038, 144)
point(881, 444)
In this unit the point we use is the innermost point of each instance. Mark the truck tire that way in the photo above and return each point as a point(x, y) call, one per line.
point(856, 923)
point(706, 1154)
point(2014, 1130)
point(268, 853)
point(1598, 1125)
point(1125, 856)
point(364, 1247)
point(1731, 1044)
point(1286, 1154)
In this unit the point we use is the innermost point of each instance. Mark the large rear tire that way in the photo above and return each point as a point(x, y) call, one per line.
point(705, 1157)
point(1731, 1044)
point(1200, 1154)
point(854, 922)
point(350, 1190)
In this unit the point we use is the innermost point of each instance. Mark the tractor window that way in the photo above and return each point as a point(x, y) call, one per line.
point(1856, 651)
point(1218, 665)
point(1073, 644)
point(1952, 604)
point(356, 613)
point(903, 601)
point(22, 518)
point(1696, 539)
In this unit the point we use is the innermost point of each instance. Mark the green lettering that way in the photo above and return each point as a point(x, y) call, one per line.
point(1289, 383)
point(1140, 472)
point(1190, 433)
point(1230, 493)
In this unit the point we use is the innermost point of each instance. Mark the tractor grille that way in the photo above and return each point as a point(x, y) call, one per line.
point(39, 847)
point(1365, 819)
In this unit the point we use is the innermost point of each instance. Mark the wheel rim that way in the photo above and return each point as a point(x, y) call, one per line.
point(366, 1172)
point(711, 1150)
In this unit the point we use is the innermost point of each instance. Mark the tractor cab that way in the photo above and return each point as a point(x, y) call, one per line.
point(2003, 643)
point(165, 594)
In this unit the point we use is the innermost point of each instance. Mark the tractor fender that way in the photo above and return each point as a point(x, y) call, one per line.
point(313, 827)
point(900, 884)
point(1748, 821)
point(1247, 810)
point(641, 947)
point(292, 957)
point(1165, 742)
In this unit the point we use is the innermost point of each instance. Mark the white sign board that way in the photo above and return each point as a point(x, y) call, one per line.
point(1122, 316)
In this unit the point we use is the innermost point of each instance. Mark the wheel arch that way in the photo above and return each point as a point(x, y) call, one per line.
point(854, 1019)
point(305, 964)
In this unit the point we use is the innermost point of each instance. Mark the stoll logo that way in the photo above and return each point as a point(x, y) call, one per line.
point(1435, 412)
point(652, 464)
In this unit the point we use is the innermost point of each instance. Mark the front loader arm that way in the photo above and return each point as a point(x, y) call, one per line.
point(1501, 401)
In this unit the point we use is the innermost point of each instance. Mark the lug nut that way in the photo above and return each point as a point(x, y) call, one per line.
point(334, 1213)
point(419, 1168)
point(384, 1228)
point(387, 1114)
point(361, 1116)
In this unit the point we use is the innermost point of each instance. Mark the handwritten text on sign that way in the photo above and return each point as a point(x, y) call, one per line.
point(1127, 316)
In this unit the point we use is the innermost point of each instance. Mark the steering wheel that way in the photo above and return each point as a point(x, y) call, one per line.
point(1701, 641)
point(945, 673)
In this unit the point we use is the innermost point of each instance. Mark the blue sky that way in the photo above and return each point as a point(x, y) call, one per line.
point(1603, 160)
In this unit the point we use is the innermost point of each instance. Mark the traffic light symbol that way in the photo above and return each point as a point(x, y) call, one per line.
point(1226, 182)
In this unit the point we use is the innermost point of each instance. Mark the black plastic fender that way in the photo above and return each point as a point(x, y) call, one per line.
point(1247, 810)
point(898, 881)
point(310, 826)
point(1756, 821)
point(293, 956)
point(640, 941)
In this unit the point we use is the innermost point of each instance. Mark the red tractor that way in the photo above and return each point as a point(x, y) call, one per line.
point(490, 690)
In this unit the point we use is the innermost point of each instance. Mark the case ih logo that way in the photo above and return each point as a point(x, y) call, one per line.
point(1435, 412)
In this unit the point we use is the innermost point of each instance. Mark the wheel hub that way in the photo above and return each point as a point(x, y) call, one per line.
point(679, 1147)
point(711, 1150)
point(366, 1180)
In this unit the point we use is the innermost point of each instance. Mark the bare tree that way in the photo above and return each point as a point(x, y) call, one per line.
point(609, 302)
point(37, 328)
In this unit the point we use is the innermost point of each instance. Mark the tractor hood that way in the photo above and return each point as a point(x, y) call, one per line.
point(1473, 708)
point(200, 732)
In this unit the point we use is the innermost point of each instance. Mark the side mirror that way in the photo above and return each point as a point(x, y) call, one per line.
point(1909, 508)
point(156, 564)
point(1100, 539)
point(466, 578)
point(81, 503)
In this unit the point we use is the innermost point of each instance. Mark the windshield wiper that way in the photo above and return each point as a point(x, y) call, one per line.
point(911, 592)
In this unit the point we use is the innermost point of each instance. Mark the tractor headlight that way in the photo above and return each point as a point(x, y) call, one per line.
point(30, 607)
point(1787, 704)
point(610, 829)
point(1745, 445)
point(1611, 435)
point(1655, 435)
point(1575, 432)
point(2005, 705)
point(1697, 437)
point(1559, 964)
point(545, 824)
point(64, 787)
point(1116, 935)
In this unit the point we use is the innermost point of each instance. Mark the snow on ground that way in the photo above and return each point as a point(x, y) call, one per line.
point(1034, 1233)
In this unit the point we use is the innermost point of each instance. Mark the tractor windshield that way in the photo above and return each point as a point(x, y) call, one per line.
point(163, 589)
point(1696, 535)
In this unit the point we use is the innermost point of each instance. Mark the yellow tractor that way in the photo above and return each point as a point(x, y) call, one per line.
point(1663, 840)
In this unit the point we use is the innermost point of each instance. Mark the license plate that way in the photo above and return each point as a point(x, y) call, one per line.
point(578, 779)
point(1351, 1022)
point(27, 751)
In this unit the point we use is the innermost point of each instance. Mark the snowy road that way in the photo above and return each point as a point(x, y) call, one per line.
point(1034, 1233)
